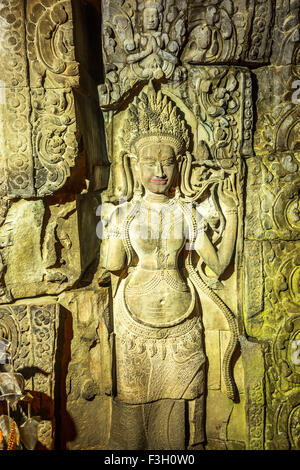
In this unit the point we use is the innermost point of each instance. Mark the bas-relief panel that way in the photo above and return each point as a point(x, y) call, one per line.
point(217, 103)
point(196, 54)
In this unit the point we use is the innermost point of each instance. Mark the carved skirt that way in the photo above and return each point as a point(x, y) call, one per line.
point(157, 363)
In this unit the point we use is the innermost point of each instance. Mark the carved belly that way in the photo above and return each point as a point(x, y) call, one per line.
point(162, 299)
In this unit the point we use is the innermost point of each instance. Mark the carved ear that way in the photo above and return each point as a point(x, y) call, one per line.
point(127, 175)
point(185, 173)
point(133, 156)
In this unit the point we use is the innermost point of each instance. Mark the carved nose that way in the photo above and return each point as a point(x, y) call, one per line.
point(159, 170)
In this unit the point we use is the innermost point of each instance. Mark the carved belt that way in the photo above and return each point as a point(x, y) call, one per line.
point(160, 275)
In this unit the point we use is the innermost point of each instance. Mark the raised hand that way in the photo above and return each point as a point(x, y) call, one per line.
point(227, 194)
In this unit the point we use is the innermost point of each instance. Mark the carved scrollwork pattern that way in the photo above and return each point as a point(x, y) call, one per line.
point(278, 294)
point(15, 134)
point(50, 43)
point(256, 416)
point(13, 64)
point(217, 31)
point(275, 213)
point(35, 94)
point(228, 31)
point(54, 137)
point(286, 352)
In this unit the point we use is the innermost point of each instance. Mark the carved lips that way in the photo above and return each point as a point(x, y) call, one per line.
point(159, 180)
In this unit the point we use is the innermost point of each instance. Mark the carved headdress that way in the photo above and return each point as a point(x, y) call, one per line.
point(154, 118)
point(158, 4)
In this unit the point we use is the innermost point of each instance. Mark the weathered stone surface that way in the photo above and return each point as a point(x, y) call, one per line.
point(278, 108)
point(217, 102)
point(50, 44)
point(88, 371)
point(253, 361)
point(274, 214)
point(219, 409)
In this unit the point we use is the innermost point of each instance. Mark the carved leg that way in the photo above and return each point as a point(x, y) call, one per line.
point(152, 426)
point(127, 427)
point(196, 411)
point(165, 424)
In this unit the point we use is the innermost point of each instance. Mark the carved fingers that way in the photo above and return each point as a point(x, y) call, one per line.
point(227, 193)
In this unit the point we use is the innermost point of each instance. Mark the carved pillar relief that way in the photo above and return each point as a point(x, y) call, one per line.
point(38, 73)
point(16, 146)
point(47, 204)
point(272, 229)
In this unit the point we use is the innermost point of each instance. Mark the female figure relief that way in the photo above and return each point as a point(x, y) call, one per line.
point(150, 242)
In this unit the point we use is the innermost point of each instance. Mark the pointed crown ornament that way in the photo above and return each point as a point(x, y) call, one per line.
point(154, 118)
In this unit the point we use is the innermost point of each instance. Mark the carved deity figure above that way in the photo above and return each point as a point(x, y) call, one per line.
point(140, 43)
point(152, 53)
point(151, 244)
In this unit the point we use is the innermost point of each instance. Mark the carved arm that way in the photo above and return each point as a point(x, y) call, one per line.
point(113, 255)
point(218, 260)
point(112, 252)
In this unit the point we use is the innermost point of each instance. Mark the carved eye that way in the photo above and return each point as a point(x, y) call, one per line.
point(168, 163)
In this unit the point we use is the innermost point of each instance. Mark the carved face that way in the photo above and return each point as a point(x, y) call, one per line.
point(150, 19)
point(157, 167)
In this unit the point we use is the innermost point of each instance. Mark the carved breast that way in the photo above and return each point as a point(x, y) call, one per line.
point(158, 236)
